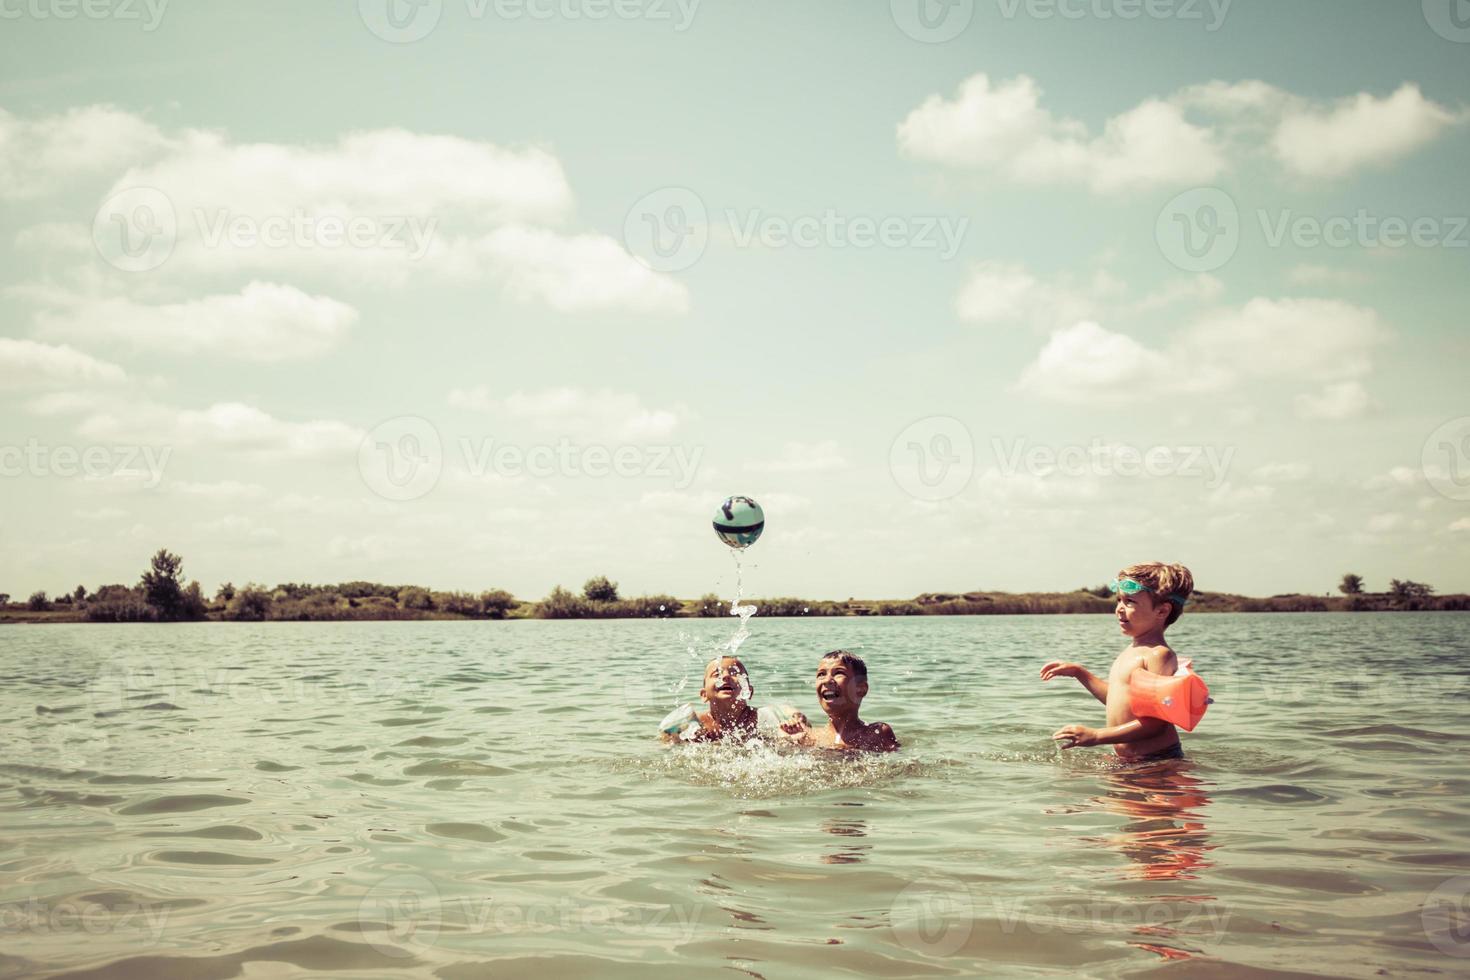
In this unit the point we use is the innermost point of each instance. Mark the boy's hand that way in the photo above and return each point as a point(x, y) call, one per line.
point(1075, 736)
point(1058, 668)
point(796, 725)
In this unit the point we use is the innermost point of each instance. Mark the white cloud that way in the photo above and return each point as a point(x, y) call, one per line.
point(1230, 496)
point(1189, 137)
point(1463, 524)
point(575, 411)
point(570, 274)
point(996, 291)
point(1399, 477)
point(1008, 292)
point(1324, 341)
point(38, 156)
point(1359, 131)
point(373, 207)
point(1086, 363)
point(238, 426)
point(983, 124)
point(388, 172)
point(1315, 339)
point(1249, 101)
point(361, 208)
point(229, 426)
point(1318, 138)
point(804, 457)
point(1004, 127)
point(1334, 403)
point(130, 479)
point(27, 364)
point(264, 322)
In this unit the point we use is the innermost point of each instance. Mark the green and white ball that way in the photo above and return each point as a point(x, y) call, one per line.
point(739, 521)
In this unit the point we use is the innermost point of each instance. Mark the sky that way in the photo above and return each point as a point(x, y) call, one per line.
point(968, 294)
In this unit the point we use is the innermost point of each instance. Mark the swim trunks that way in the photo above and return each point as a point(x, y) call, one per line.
point(1175, 751)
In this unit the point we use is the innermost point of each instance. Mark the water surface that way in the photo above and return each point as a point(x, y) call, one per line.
point(470, 799)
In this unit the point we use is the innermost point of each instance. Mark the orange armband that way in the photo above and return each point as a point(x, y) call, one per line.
point(1179, 699)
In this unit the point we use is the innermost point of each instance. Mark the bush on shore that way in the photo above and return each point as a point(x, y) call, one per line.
point(562, 604)
point(120, 604)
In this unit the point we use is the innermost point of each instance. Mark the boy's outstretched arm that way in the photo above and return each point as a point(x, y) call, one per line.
point(1078, 736)
point(1095, 685)
point(1159, 660)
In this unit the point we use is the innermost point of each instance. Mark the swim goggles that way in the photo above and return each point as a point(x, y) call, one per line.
point(1128, 586)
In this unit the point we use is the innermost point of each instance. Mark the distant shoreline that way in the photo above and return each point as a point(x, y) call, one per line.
point(331, 606)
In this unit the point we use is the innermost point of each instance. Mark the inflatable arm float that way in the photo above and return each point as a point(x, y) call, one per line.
point(1179, 699)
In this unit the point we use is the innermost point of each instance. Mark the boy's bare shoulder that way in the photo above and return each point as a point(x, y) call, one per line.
point(882, 735)
point(1131, 658)
point(1160, 659)
point(1154, 659)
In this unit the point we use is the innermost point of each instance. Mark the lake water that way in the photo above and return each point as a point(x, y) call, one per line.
point(463, 799)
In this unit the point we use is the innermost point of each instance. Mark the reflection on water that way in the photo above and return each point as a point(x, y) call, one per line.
point(1165, 836)
point(1165, 839)
point(443, 800)
point(851, 851)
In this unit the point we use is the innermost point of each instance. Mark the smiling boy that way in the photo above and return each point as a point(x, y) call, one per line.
point(842, 683)
point(1151, 597)
point(727, 691)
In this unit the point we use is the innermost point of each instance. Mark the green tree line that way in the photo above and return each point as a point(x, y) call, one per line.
point(162, 594)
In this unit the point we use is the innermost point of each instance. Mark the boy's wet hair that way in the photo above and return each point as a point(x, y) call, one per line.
point(721, 659)
point(851, 661)
point(1166, 580)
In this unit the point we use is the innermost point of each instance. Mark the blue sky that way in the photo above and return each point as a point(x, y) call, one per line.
point(930, 301)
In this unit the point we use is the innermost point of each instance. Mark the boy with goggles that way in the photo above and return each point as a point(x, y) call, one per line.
point(1151, 596)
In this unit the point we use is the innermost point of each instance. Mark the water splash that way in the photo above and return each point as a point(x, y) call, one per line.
point(699, 648)
point(757, 768)
point(739, 608)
